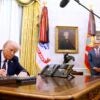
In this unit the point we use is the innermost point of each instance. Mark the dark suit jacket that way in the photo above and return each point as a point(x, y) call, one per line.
point(94, 61)
point(14, 66)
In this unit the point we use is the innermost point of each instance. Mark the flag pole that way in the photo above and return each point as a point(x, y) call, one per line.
point(86, 8)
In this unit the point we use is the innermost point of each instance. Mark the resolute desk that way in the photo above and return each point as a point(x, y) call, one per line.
point(53, 88)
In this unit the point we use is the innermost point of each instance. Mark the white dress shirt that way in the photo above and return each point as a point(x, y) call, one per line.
point(97, 51)
point(2, 62)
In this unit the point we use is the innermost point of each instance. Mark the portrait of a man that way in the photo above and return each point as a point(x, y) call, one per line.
point(65, 42)
point(66, 39)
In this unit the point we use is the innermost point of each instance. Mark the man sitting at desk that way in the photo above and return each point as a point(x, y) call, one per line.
point(9, 64)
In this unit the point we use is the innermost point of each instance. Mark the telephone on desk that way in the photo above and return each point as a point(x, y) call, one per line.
point(57, 70)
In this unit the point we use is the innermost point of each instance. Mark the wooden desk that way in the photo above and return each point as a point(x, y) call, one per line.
point(79, 88)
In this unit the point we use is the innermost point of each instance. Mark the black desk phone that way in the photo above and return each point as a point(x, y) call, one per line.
point(57, 70)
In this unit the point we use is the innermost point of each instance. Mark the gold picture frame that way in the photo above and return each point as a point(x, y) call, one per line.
point(66, 39)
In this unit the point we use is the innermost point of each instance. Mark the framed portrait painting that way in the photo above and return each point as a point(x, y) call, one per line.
point(66, 39)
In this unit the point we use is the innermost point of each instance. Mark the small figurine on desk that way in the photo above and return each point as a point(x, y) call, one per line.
point(68, 58)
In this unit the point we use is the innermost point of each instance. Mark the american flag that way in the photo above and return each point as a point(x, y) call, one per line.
point(43, 54)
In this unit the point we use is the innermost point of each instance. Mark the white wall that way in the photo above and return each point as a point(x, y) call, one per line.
point(71, 15)
point(10, 21)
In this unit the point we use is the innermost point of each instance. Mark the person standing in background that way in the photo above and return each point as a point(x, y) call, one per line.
point(94, 60)
point(9, 64)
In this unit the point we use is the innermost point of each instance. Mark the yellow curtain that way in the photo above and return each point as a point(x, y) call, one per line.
point(29, 37)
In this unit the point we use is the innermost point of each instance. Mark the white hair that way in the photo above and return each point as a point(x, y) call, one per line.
point(13, 43)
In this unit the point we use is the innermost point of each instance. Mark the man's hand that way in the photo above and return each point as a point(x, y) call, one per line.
point(2, 72)
point(96, 69)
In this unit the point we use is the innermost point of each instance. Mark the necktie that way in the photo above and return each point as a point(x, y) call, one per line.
point(4, 64)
